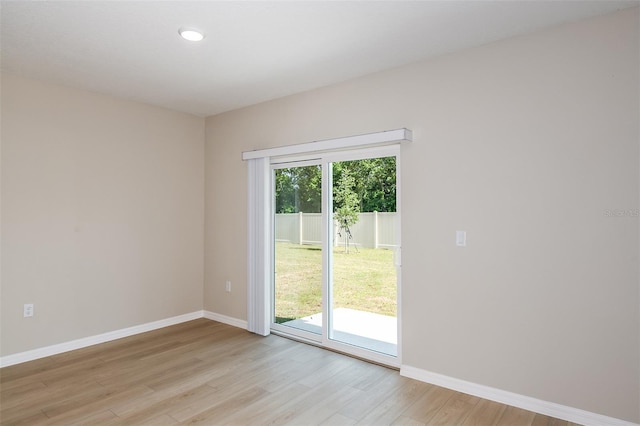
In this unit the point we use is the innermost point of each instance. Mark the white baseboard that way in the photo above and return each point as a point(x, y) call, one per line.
point(113, 335)
point(94, 340)
point(226, 320)
point(552, 409)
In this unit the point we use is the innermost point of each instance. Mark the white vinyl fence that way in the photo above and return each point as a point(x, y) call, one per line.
point(373, 230)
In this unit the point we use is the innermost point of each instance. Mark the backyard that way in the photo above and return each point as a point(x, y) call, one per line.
point(363, 279)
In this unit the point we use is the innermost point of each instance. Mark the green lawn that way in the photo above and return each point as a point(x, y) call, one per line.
point(364, 280)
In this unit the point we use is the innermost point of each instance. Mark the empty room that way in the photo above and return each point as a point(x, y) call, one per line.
point(320, 212)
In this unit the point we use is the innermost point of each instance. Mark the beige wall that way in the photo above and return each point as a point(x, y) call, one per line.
point(102, 214)
point(524, 144)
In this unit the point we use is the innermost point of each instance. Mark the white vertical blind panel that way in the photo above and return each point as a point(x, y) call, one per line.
point(259, 287)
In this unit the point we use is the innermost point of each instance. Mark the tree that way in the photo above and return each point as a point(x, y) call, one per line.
point(298, 189)
point(375, 182)
point(379, 186)
point(346, 205)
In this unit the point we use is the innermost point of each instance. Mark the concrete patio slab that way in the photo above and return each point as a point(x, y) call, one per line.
point(359, 328)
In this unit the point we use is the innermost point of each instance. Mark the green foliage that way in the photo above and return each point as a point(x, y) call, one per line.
point(375, 182)
point(298, 189)
point(345, 201)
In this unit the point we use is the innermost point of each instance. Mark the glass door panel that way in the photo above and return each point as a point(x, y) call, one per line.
point(363, 276)
point(335, 232)
point(298, 232)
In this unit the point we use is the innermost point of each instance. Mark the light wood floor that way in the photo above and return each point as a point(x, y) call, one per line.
point(205, 372)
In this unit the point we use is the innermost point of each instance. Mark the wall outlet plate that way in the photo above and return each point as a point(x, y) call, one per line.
point(28, 310)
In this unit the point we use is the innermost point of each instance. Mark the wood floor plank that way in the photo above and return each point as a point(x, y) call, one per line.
point(232, 386)
point(198, 374)
point(485, 413)
point(513, 416)
point(80, 407)
point(205, 372)
point(12, 406)
point(333, 365)
point(27, 419)
point(338, 420)
point(102, 418)
point(333, 392)
point(406, 421)
point(26, 389)
point(162, 420)
point(425, 408)
point(160, 402)
point(217, 413)
point(319, 410)
point(14, 373)
point(388, 411)
point(289, 404)
point(258, 411)
point(455, 410)
point(19, 415)
point(542, 420)
point(373, 396)
point(149, 373)
point(191, 411)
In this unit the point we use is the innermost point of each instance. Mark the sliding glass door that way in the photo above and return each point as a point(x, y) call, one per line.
point(363, 285)
point(336, 234)
point(298, 281)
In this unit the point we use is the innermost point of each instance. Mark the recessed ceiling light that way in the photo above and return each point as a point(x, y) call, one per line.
point(190, 34)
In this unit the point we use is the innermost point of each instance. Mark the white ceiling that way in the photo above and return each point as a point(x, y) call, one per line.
point(253, 51)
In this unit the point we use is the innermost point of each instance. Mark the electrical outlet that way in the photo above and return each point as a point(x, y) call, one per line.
point(227, 286)
point(28, 310)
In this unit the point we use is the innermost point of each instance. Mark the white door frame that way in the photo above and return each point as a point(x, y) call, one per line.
point(325, 159)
